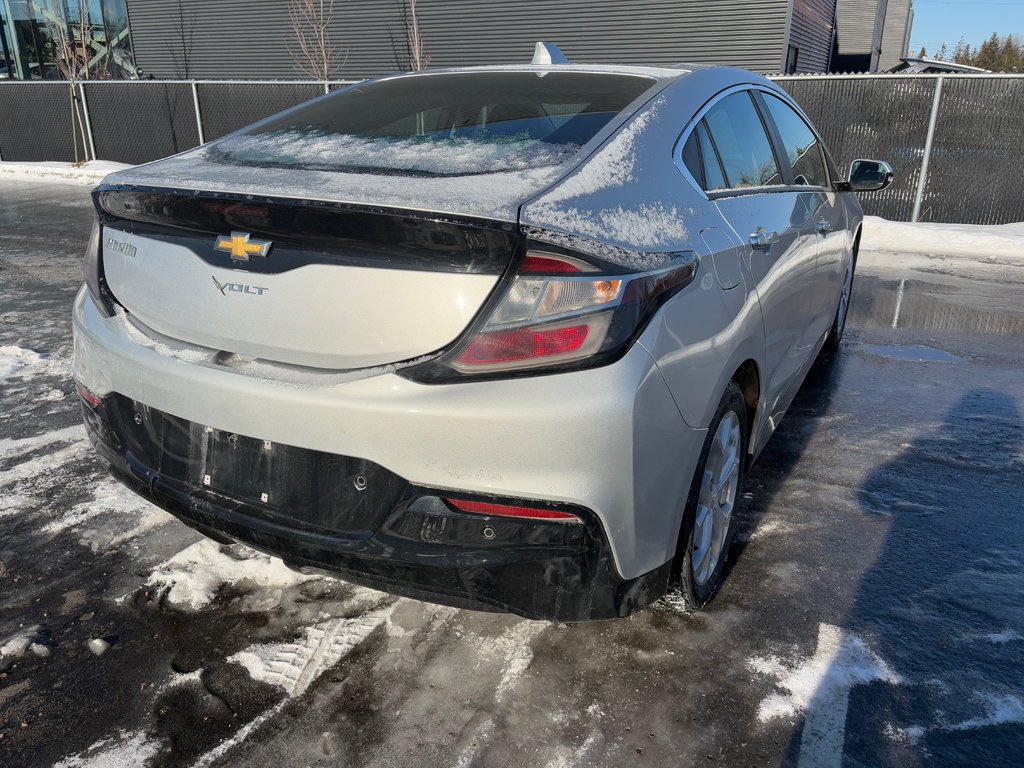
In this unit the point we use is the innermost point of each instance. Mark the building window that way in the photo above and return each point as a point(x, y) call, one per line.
point(791, 56)
point(96, 32)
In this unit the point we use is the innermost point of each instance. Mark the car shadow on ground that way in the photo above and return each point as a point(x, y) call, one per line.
point(943, 605)
point(784, 451)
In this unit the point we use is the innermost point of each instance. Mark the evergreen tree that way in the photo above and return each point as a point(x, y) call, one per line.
point(1011, 57)
point(990, 53)
point(943, 54)
point(962, 52)
point(923, 54)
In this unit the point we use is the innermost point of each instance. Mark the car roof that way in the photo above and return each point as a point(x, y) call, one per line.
point(661, 73)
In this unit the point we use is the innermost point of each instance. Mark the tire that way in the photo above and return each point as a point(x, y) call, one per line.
point(835, 336)
point(702, 537)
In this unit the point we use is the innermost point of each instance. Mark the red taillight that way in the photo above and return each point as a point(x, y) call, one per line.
point(507, 510)
point(523, 344)
point(88, 396)
point(539, 264)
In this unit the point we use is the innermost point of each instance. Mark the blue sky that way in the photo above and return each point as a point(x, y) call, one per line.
point(938, 21)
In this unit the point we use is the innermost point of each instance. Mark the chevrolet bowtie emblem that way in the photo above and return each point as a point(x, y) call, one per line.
point(241, 246)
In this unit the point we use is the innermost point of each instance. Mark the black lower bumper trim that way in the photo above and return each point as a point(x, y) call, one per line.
point(354, 519)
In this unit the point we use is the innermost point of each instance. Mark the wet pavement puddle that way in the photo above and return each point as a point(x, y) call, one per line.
point(911, 353)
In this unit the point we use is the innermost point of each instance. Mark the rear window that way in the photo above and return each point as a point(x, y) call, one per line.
point(441, 125)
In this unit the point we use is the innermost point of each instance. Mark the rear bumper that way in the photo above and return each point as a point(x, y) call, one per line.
point(355, 519)
point(608, 440)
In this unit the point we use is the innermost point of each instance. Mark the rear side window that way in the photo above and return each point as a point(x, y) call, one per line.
point(441, 125)
point(701, 160)
point(802, 146)
point(742, 142)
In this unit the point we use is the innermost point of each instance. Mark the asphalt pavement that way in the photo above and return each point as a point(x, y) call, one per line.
point(873, 614)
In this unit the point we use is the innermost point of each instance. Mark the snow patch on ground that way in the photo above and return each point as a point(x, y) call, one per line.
point(294, 666)
point(17, 362)
point(86, 174)
point(842, 660)
point(17, 644)
point(111, 498)
point(999, 709)
point(23, 484)
point(126, 750)
point(944, 239)
point(1006, 636)
point(194, 576)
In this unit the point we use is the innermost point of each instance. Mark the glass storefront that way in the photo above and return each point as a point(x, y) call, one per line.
point(33, 35)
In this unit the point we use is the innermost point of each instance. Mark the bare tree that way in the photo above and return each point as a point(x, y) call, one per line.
point(313, 54)
point(69, 39)
point(418, 59)
point(181, 45)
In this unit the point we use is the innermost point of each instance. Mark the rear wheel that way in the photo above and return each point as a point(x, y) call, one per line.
point(708, 522)
point(835, 336)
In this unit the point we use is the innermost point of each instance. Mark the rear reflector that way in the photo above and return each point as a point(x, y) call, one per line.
point(88, 396)
point(548, 265)
point(505, 510)
point(523, 344)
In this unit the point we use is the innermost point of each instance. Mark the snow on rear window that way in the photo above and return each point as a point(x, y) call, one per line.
point(313, 148)
point(452, 124)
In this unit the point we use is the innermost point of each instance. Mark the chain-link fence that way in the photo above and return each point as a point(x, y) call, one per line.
point(954, 140)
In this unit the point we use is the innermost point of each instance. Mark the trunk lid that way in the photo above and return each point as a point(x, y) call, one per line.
point(305, 283)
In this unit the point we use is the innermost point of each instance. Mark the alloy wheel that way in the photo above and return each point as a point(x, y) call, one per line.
point(717, 498)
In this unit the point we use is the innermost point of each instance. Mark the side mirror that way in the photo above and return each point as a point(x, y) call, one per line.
point(870, 175)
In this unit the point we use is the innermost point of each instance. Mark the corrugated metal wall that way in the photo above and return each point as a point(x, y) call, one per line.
point(811, 33)
point(249, 38)
point(859, 25)
point(895, 34)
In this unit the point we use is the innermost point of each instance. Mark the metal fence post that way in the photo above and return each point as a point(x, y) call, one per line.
point(199, 116)
point(88, 122)
point(327, 87)
point(923, 181)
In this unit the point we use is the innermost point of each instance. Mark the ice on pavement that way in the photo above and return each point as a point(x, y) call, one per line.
point(944, 239)
point(841, 660)
point(17, 644)
point(194, 576)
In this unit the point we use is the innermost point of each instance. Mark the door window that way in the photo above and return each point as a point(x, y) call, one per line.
point(802, 145)
point(739, 135)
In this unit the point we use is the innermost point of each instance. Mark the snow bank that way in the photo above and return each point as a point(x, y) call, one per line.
point(944, 239)
point(192, 578)
point(86, 174)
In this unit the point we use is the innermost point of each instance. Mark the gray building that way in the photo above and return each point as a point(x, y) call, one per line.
point(251, 38)
point(871, 35)
point(899, 22)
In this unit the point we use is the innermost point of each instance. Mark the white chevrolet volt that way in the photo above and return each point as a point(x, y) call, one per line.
point(503, 337)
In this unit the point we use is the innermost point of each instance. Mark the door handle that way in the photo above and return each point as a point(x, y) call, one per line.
point(824, 226)
point(762, 240)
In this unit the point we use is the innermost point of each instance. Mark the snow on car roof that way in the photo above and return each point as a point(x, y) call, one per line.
point(657, 72)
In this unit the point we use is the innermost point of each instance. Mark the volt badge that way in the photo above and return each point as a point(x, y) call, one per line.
point(241, 246)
